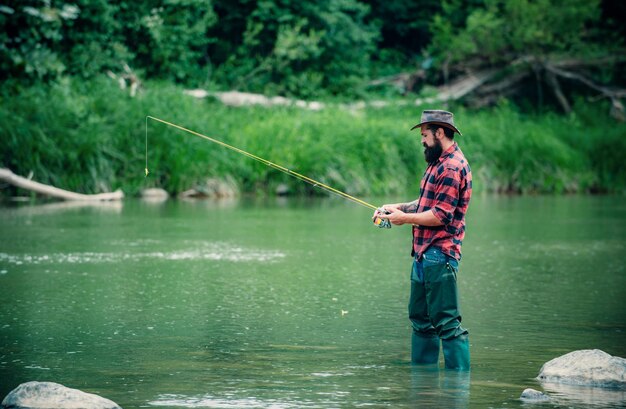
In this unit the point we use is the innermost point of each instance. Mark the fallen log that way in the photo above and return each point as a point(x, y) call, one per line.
point(405, 82)
point(237, 99)
point(479, 89)
point(24, 183)
point(460, 87)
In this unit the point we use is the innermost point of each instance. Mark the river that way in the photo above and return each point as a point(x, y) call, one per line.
point(301, 303)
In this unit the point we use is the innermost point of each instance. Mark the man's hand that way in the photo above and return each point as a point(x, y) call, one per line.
point(388, 207)
point(395, 216)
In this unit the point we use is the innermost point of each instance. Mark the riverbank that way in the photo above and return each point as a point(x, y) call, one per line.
point(90, 138)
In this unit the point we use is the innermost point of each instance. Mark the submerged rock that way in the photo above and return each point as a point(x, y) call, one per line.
point(533, 395)
point(590, 367)
point(154, 193)
point(282, 189)
point(50, 395)
point(212, 188)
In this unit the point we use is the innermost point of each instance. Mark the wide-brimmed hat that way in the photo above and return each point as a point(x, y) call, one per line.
point(438, 117)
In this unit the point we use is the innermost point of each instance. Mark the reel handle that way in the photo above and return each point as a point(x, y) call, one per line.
point(380, 222)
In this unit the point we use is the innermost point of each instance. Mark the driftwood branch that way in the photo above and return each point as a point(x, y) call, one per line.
point(505, 84)
point(460, 87)
point(609, 92)
point(485, 86)
point(24, 183)
point(405, 82)
point(556, 87)
point(618, 57)
point(614, 94)
point(490, 93)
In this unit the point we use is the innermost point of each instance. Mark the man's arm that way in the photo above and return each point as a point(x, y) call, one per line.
point(442, 213)
point(408, 207)
point(399, 217)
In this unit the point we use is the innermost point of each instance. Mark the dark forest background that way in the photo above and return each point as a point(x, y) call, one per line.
point(309, 48)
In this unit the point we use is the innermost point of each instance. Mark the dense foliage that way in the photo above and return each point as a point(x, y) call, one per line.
point(303, 48)
point(505, 30)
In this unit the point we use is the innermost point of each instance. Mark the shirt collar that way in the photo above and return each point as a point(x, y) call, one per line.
point(444, 155)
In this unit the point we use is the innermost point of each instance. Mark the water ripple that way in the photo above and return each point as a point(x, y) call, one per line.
point(208, 401)
point(214, 252)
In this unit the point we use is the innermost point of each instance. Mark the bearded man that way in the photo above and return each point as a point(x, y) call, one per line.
point(438, 219)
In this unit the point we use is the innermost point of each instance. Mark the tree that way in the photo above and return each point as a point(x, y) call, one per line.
point(297, 48)
point(30, 38)
point(42, 39)
point(170, 38)
point(550, 41)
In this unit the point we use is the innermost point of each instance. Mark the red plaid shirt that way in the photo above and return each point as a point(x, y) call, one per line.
point(445, 189)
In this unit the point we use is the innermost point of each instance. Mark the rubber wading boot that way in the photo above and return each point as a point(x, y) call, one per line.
point(424, 350)
point(456, 353)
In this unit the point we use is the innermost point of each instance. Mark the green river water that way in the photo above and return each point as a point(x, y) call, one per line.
point(301, 303)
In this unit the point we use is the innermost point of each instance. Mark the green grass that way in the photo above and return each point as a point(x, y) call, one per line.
point(91, 138)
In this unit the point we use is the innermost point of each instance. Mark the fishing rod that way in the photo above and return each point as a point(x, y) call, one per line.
point(382, 223)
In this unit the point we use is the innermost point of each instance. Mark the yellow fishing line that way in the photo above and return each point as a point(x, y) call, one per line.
point(147, 147)
point(259, 159)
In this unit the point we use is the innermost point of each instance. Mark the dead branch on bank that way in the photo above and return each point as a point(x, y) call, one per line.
point(404, 82)
point(485, 86)
point(24, 183)
point(614, 94)
point(460, 87)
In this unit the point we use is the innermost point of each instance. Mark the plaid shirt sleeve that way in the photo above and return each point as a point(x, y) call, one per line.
point(447, 193)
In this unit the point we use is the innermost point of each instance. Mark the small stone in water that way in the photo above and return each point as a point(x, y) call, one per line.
point(534, 395)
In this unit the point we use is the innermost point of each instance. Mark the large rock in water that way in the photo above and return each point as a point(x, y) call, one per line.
point(590, 367)
point(50, 395)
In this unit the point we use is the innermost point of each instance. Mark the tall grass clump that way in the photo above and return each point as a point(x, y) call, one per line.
point(547, 153)
point(511, 152)
point(90, 137)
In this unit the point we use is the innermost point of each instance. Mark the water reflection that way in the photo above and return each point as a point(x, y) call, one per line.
point(435, 388)
point(587, 396)
point(114, 207)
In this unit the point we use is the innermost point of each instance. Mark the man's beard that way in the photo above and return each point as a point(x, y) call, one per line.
point(432, 153)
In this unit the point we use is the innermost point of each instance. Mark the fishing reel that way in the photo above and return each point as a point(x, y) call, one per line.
point(380, 222)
